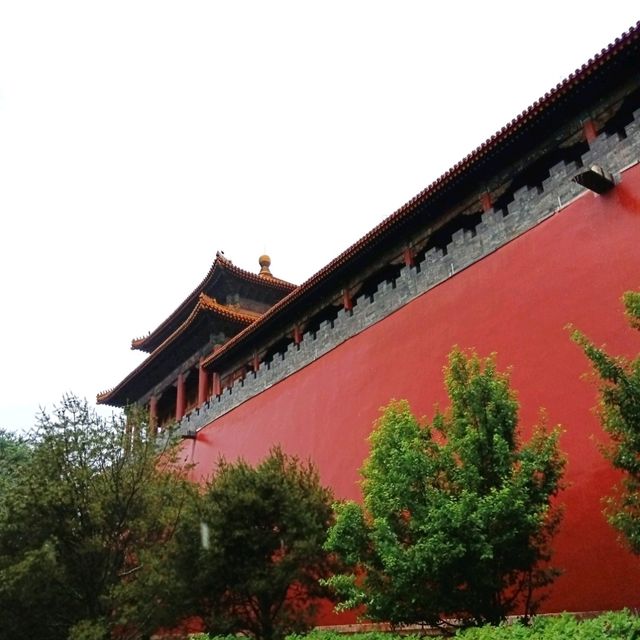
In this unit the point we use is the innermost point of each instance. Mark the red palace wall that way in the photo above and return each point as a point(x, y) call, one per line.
point(571, 268)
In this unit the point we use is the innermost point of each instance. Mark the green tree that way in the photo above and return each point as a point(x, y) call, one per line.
point(619, 411)
point(14, 451)
point(256, 568)
point(90, 503)
point(457, 514)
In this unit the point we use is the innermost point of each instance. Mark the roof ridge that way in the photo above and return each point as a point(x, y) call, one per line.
point(507, 131)
point(204, 303)
point(222, 262)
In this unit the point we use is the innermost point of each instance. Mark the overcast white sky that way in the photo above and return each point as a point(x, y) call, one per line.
point(139, 137)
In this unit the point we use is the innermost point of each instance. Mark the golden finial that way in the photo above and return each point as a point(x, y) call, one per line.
point(264, 262)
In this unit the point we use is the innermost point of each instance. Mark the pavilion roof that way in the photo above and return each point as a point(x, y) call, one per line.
point(569, 99)
point(149, 372)
point(222, 269)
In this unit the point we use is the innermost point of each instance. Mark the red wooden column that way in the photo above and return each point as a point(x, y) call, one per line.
point(255, 362)
point(347, 303)
point(297, 335)
point(589, 130)
point(203, 383)
point(153, 415)
point(181, 396)
point(217, 388)
point(408, 257)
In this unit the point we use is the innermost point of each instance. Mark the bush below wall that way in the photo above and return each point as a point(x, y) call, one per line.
point(619, 625)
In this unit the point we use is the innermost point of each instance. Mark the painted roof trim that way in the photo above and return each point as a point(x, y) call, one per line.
point(205, 304)
point(221, 263)
point(497, 140)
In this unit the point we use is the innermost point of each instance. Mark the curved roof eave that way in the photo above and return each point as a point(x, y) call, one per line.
point(220, 264)
point(482, 153)
point(205, 304)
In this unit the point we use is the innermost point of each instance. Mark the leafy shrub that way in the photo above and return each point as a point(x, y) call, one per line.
point(619, 625)
point(457, 515)
point(619, 411)
point(614, 625)
point(258, 573)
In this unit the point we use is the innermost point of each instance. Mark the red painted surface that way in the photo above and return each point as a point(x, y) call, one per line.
point(589, 129)
point(153, 407)
point(347, 302)
point(181, 396)
point(203, 383)
point(217, 385)
point(572, 268)
point(408, 257)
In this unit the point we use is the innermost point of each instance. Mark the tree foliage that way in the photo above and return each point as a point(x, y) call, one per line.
point(614, 625)
point(457, 514)
point(619, 411)
point(14, 451)
point(88, 508)
point(263, 555)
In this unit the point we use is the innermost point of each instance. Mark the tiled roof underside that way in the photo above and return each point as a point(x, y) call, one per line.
point(505, 136)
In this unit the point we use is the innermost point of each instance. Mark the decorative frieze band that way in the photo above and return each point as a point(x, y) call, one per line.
point(529, 207)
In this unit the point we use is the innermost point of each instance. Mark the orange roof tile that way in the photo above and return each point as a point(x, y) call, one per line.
point(500, 139)
point(509, 134)
point(204, 304)
point(221, 263)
